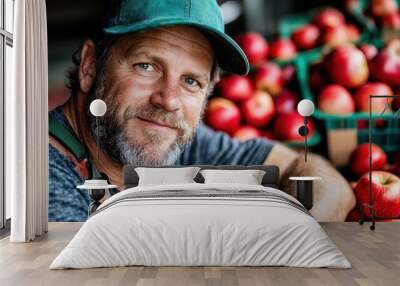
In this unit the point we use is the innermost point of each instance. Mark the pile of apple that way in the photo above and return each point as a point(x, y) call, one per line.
point(328, 27)
point(347, 75)
point(385, 182)
point(384, 13)
point(260, 104)
point(258, 50)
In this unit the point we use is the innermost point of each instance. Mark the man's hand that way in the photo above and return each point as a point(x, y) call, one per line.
point(333, 196)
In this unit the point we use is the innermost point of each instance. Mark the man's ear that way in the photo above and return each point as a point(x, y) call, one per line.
point(87, 68)
point(216, 77)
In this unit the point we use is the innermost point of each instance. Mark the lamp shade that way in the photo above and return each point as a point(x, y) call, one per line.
point(305, 107)
point(98, 107)
point(231, 10)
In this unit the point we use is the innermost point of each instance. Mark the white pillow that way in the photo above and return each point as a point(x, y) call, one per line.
point(249, 177)
point(163, 176)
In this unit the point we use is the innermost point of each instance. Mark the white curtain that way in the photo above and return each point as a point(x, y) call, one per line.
point(27, 124)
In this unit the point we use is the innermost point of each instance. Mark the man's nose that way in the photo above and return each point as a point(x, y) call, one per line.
point(167, 96)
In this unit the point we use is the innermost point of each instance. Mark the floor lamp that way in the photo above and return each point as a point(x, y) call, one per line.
point(96, 187)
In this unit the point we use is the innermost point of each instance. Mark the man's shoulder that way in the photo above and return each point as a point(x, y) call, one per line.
point(61, 167)
point(218, 148)
point(204, 131)
point(58, 115)
point(66, 202)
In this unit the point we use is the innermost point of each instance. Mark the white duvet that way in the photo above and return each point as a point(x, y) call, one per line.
point(221, 225)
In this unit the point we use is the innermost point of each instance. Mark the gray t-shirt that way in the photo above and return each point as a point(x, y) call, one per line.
point(208, 147)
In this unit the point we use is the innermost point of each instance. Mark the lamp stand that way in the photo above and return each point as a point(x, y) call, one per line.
point(303, 131)
point(305, 139)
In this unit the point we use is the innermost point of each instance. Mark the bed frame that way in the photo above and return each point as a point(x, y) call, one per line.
point(270, 179)
point(131, 178)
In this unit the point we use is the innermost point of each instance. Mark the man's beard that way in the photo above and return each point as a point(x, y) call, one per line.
point(113, 136)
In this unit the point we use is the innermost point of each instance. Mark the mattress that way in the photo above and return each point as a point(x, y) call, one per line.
point(201, 225)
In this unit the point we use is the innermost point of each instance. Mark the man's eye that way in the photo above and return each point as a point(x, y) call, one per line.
point(145, 66)
point(192, 82)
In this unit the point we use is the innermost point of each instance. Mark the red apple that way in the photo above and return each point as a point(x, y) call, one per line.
point(254, 46)
point(353, 215)
point(385, 66)
point(329, 18)
point(285, 102)
point(222, 114)
point(335, 99)
point(391, 21)
point(353, 33)
point(396, 104)
point(306, 37)
point(362, 124)
point(391, 168)
point(380, 123)
point(396, 164)
point(373, 88)
point(385, 194)
point(353, 185)
point(316, 74)
point(335, 36)
point(288, 73)
point(269, 78)
point(377, 123)
point(246, 132)
point(359, 159)
point(347, 66)
point(316, 81)
point(283, 49)
point(269, 135)
point(396, 101)
point(235, 87)
point(380, 8)
point(259, 109)
point(286, 126)
point(369, 51)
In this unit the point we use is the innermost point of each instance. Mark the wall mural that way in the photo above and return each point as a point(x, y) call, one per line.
point(175, 96)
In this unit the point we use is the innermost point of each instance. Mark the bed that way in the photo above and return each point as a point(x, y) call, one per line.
point(201, 224)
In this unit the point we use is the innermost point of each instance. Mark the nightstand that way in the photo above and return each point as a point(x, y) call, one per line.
point(304, 190)
point(96, 190)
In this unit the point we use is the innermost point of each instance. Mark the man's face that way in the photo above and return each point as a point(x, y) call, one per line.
point(155, 85)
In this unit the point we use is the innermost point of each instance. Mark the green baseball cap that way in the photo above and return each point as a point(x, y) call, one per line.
point(129, 16)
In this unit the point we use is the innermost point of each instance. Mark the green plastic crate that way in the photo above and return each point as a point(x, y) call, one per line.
point(289, 23)
point(387, 137)
point(312, 142)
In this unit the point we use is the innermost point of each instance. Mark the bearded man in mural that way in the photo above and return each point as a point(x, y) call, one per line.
point(154, 65)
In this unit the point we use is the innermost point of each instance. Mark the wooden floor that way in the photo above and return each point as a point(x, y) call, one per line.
point(375, 257)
